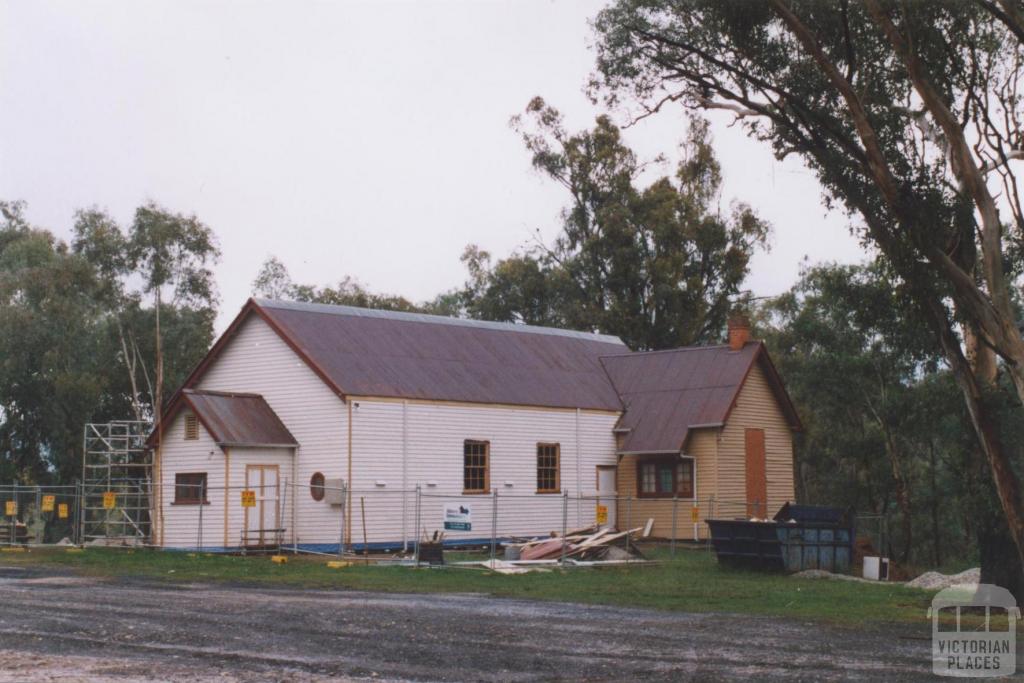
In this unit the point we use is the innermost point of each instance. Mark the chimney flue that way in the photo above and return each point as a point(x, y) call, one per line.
point(739, 331)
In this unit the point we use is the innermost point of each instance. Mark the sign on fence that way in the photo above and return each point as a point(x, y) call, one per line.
point(248, 498)
point(48, 503)
point(695, 514)
point(11, 508)
point(602, 514)
point(458, 517)
point(109, 500)
point(62, 511)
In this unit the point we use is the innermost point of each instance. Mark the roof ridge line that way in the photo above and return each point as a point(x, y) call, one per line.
point(227, 394)
point(662, 391)
point(698, 347)
point(430, 318)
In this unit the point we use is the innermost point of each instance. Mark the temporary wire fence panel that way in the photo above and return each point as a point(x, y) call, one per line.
point(39, 515)
point(273, 512)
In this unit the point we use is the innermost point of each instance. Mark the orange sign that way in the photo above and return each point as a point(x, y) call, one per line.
point(109, 500)
point(48, 503)
point(62, 510)
point(695, 514)
point(248, 499)
point(602, 514)
point(11, 508)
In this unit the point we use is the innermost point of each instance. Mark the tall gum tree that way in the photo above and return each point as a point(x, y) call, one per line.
point(908, 113)
point(655, 261)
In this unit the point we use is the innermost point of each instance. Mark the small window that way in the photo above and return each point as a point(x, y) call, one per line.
point(665, 477)
point(316, 486)
point(475, 467)
point(190, 488)
point(547, 467)
point(191, 427)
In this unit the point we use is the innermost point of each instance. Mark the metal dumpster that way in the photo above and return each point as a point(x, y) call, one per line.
point(800, 537)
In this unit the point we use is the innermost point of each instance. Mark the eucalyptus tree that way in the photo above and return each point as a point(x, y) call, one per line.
point(155, 272)
point(655, 263)
point(909, 115)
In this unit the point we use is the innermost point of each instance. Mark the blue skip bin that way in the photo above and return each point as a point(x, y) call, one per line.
point(800, 537)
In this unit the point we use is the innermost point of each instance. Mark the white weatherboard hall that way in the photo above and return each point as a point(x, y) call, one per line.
point(295, 395)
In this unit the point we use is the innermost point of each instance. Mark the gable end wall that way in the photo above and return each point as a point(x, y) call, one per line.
point(257, 360)
point(756, 407)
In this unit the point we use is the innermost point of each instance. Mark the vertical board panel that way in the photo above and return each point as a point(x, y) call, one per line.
point(757, 484)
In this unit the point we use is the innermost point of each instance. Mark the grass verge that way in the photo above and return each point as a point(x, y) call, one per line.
point(692, 582)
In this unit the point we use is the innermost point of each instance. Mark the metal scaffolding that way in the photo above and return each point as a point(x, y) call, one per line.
point(117, 483)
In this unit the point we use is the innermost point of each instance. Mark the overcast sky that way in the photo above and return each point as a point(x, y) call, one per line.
point(362, 139)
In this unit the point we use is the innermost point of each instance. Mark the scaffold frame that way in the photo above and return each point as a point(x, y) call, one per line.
point(117, 483)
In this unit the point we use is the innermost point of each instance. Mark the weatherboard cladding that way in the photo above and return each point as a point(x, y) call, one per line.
point(238, 419)
point(667, 393)
point(413, 356)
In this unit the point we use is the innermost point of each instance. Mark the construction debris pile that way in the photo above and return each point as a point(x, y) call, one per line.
point(590, 544)
point(588, 547)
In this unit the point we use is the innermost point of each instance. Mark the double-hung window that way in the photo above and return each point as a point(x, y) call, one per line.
point(548, 457)
point(476, 476)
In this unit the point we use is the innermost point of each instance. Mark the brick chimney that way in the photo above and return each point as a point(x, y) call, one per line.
point(739, 331)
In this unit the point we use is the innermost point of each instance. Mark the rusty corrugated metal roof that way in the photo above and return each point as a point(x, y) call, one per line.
point(364, 352)
point(668, 393)
point(235, 419)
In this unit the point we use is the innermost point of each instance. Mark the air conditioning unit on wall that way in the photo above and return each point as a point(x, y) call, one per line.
point(334, 491)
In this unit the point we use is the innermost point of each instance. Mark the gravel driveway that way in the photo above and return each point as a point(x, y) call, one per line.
point(61, 628)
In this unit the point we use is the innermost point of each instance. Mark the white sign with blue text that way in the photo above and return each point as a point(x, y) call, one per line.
point(457, 517)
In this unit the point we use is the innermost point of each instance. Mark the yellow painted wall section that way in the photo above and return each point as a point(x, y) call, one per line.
point(755, 408)
point(634, 512)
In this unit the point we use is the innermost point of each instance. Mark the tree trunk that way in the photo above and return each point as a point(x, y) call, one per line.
point(902, 494)
point(936, 527)
point(159, 392)
point(985, 426)
point(130, 365)
point(999, 564)
point(157, 533)
point(971, 302)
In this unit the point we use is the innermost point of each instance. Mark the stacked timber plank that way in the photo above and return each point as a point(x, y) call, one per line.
point(588, 544)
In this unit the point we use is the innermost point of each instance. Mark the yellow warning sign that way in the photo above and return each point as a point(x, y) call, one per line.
point(109, 500)
point(62, 511)
point(695, 514)
point(248, 499)
point(48, 503)
point(602, 514)
point(10, 508)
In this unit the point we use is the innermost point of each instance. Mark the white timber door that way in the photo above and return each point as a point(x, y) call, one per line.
point(263, 520)
point(606, 508)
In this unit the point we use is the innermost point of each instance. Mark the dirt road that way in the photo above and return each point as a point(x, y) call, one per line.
point(64, 628)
